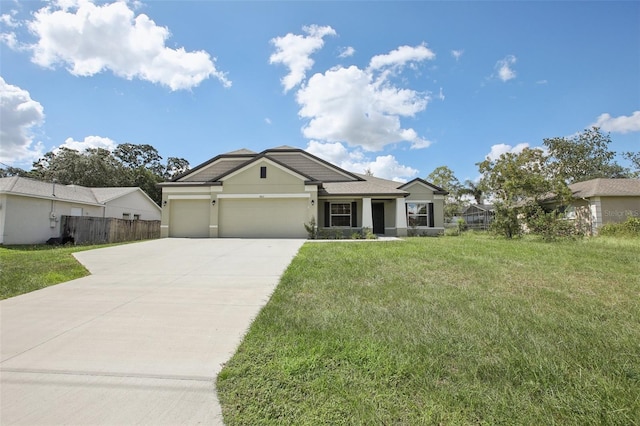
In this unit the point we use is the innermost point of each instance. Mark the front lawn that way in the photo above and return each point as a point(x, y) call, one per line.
point(455, 330)
point(28, 268)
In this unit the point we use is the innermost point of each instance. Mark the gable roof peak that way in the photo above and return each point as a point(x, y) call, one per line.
point(241, 151)
point(284, 148)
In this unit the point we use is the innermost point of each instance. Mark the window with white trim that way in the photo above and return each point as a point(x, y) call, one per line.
point(341, 214)
point(418, 214)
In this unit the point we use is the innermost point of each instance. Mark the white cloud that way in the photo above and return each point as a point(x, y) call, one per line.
point(7, 19)
point(20, 114)
point(359, 107)
point(401, 56)
point(267, 120)
point(457, 54)
point(294, 51)
point(350, 105)
point(346, 52)
point(91, 38)
point(89, 142)
point(504, 68)
point(622, 124)
point(499, 149)
point(386, 166)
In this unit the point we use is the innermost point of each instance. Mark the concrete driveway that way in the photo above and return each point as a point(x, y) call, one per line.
point(141, 340)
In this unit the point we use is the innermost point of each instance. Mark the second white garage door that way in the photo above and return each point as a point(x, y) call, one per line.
point(263, 218)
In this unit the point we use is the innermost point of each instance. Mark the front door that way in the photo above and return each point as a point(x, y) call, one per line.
point(377, 211)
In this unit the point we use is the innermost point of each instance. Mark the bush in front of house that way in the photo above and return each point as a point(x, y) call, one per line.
point(628, 228)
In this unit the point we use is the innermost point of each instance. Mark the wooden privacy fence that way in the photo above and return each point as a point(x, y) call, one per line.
point(93, 230)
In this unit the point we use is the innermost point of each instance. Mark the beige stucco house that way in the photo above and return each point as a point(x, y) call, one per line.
point(274, 193)
point(30, 210)
point(597, 202)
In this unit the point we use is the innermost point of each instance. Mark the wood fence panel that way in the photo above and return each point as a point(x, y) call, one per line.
point(98, 230)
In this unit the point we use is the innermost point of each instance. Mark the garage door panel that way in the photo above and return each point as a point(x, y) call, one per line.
point(263, 218)
point(189, 218)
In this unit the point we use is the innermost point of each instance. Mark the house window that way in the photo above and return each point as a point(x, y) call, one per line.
point(418, 214)
point(136, 217)
point(263, 172)
point(126, 216)
point(341, 214)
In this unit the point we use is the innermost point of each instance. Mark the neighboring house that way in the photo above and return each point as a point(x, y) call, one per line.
point(30, 210)
point(273, 194)
point(597, 202)
point(479, 216)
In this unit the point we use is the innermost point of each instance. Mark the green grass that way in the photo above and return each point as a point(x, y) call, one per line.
point(464, 330)
point(27, 268)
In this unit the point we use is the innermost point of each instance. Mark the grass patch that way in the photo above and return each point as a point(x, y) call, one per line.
point(467, 330)
point(27, 268)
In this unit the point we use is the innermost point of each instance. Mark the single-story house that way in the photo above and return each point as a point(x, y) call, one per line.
point(274, 193)
point(30, 210)
point(597, 202)
point(479, 216)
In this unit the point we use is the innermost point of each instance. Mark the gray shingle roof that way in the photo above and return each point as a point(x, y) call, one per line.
point(74, 193)
point(213, 170)
point(334, 180)
point(606, 187)
point(369, 186)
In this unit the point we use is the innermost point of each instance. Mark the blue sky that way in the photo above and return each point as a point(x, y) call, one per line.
point(399, 88)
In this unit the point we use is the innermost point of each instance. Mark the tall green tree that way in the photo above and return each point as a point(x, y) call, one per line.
point(476, 190)
point(94, 167)
point(9, 171)
point(128, 165)
point(446, 179)
point(634, 158)
point(518, 183)
point(582, 157)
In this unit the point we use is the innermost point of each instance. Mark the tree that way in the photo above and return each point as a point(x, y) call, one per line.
point(476, 190)
point(94, 167)
point(445, 178)
point(128, 165)
point(634, 158)
point(12, 171)
point(518, 183)
point(175, 166)
point(583, 157)
point(139, 156)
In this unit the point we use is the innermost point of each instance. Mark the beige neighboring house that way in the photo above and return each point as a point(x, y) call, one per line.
point(597, 202)
point(30, 210)
point(274, 193)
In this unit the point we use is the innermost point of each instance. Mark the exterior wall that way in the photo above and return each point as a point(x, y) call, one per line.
point(245, 184)
point(618, 209)
point(248, 181)
point(135, 203)
point(390, 223)
point(347, 231)
point(3, 211)
point(591, 214)
point(421, 193)
point(30, 220)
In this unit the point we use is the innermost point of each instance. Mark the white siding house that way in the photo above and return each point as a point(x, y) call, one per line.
point(30, 210)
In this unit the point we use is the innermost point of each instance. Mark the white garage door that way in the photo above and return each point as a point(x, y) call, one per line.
point(189, 218)
point(263, 218)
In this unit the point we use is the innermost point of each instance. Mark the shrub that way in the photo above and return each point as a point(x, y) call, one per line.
point(550, 225)
point(312, 230)
point(506, 221)
point(628, 228)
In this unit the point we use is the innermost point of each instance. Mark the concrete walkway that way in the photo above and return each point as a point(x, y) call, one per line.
point(141, 340)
